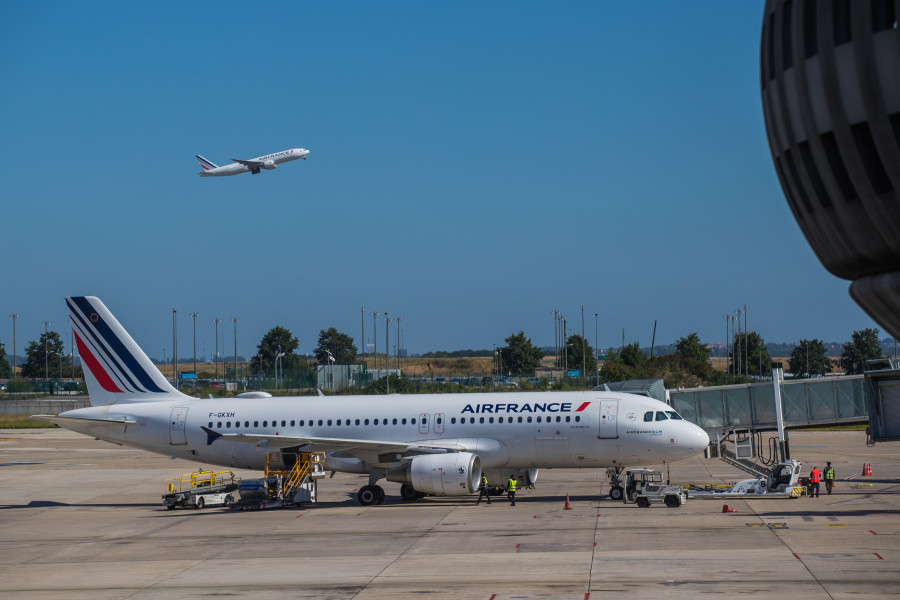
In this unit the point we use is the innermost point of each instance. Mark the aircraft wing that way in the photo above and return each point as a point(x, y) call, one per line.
point(253, 164)
point(318, 444)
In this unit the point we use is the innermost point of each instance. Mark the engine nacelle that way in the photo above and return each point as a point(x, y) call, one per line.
point(499, 477)
point(269, 164)
point(455, 474)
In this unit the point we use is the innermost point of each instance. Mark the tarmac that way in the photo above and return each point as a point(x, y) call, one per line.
point(81, 518)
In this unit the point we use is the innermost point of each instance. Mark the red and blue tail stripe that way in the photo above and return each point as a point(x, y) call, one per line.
point(108, 357)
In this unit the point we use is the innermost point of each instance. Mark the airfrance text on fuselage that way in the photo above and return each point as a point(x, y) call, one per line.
point(553, 407)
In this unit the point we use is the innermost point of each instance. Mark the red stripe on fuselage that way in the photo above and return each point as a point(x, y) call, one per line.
point(98, 371)
point(583, 406)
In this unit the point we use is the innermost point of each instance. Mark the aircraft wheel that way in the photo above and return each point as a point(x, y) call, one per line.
point(643, 503)
point(379, 491)
point(408, 492)
point(616, 492)
point(368, 495)
point(200, 503)
point(673, 501)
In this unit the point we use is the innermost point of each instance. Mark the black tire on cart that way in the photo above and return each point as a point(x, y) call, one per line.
point(673, 501)
point(170, 507)
point(200, 503)
point(229, 500)
point(643, 502)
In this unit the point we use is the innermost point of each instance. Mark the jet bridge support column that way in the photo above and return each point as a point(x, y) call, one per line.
point(783, 445)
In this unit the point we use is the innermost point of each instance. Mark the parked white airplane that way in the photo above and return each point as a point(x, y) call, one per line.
point(269, 161)
point(436, 444)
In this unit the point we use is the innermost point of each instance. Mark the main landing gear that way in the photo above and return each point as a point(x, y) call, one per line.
point(370, 495)
point(409, 493)
point(616, 491)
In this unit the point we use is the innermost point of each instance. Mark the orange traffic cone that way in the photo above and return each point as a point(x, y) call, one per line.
point(727, 509)
point(867, 469)
point(567, 506)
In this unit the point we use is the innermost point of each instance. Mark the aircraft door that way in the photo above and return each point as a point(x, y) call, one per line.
point(177, 435)
point(608, 411)
point(439, 423)
point(423, 423)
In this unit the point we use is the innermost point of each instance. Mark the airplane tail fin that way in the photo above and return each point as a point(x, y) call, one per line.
point(115, 368)
point(206, 164)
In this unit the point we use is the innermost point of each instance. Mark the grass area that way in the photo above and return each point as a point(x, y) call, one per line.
point(22, 422)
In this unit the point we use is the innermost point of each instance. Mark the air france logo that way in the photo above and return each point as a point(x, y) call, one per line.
point(531, 407)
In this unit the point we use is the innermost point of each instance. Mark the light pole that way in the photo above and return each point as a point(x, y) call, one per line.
point(746, 345)
point(806, 343)
point(727, 319)
point(165, 362)
point(555, 314)
point(278, 356)
point(217, 321)
point(398, 319)
point(387, 354)
point(194, 317)
point(374, 339)
point(362, 320)
point(14, 316)
point(174, 349)
point(46, 368)
point(583, 357)
point(235, 321)
point(597, 348)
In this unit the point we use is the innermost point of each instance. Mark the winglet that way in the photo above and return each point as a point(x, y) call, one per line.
point(211, 435)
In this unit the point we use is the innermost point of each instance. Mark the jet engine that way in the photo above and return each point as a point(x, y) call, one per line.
point(269, 164)
point(455, 474)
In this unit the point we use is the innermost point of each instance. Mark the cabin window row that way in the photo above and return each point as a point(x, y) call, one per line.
point(348, 422)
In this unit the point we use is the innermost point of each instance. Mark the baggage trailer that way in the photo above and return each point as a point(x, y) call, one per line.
point(199, 489)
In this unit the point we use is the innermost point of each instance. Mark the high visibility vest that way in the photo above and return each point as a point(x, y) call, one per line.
point(815, 476)
point(512, 484)
point(484, 483)
point(829, 473)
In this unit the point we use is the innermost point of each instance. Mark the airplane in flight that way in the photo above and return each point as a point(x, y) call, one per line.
point(269, 161)
point(437, 444)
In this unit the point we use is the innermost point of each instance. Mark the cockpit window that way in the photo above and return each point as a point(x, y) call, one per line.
point(648, 416)
point(661, 416)
point(674, 415)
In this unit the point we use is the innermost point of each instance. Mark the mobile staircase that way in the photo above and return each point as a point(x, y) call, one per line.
point(772, 478)
point(290, 479)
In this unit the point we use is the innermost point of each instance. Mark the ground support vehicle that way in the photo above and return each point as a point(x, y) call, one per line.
point(645, 487)
point(783, 482)
point(290, 480)
point(200, 489)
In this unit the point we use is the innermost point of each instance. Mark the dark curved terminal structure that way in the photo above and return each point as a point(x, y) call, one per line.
point(830, 72)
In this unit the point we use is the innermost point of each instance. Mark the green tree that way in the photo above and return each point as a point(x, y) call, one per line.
point(863, 346)
point(757, 361)
point(811, 352)
point(340, 345)
point(5, 367)
point(633, 356)
point(691, 347)
point(576, 347)
point(37, 352)
point(520, 356)
point(278, 339)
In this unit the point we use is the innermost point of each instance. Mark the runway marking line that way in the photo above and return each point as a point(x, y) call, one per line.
point(878, 555)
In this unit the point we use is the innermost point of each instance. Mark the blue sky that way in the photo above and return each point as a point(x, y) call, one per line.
point(473, 167)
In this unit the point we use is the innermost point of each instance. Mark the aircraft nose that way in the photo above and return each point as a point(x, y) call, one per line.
point(699, 439)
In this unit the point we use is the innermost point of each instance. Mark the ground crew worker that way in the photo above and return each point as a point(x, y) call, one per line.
point(511, 486)
point(483, 490)
point(829, 477)
point(815, 476)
